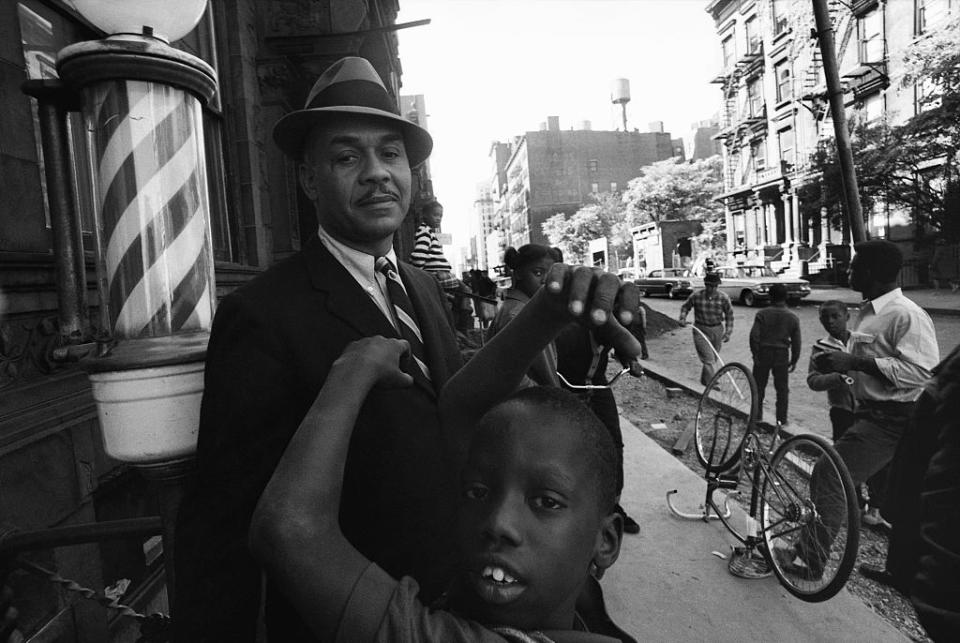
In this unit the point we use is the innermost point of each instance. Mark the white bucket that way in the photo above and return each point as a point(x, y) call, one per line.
point(150, 414)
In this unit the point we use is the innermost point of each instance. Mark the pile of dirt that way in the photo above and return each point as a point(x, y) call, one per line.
point(658, 323)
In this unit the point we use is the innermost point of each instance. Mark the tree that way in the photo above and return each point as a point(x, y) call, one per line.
point(672, 191)
point(573, 234)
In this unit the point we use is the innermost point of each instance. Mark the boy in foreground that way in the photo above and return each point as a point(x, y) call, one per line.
point(536, 519)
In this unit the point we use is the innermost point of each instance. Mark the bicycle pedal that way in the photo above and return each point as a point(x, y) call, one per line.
point(728, 482)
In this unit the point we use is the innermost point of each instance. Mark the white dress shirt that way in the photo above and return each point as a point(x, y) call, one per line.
point(899, 335)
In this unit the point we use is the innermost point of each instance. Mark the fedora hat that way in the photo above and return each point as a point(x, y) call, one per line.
point(712, 278)
point(349, 86)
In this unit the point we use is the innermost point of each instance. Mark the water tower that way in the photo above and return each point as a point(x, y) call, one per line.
point(620, 95)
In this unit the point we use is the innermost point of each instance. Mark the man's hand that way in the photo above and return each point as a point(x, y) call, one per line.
point(591, 295)
point(683, 321)
point(835, 362)
point(726, 338)
point(793, 365)
point(375, 360)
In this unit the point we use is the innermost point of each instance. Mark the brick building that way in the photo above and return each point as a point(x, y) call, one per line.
point(553, 171)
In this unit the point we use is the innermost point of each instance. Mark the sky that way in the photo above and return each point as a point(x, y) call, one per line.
point(493, 69)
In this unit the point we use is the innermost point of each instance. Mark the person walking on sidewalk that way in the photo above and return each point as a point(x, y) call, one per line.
point(712, 321)
point(775, 346)
point(892, 349)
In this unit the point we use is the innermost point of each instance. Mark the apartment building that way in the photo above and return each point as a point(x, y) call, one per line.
point(553, 171)
point(774, 112)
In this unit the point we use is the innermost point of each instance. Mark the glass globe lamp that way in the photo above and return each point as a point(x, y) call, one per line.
point(168, 20)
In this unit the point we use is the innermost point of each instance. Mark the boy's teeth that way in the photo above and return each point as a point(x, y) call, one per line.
point(497, 574)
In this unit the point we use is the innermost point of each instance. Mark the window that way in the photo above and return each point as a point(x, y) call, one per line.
point(928, 13)
point(870, 36)
point(593, 165)
point(594, 188)
point(786, 140)
point(778, 9)
point(926, 95)
point(758, 152)
point(613, 186)
point(872, 108)
point(784, 84)
point(43, 33)
point(755, 98)
point(728, 51)
point(751, 35)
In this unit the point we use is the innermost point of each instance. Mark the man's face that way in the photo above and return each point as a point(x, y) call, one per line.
point(857, 274)
point(356, 170)
point(529, 521)
point(834, 320)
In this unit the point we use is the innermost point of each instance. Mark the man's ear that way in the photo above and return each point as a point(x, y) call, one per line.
point(609, 536)
point(307, 173)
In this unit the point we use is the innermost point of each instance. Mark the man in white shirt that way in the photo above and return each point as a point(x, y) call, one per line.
point(891, 353)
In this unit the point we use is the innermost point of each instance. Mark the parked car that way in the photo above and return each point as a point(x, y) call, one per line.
point(666, 281)
point(750, 284)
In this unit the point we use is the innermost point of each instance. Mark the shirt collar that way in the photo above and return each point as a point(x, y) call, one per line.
point(355, 261)
point(879, 303)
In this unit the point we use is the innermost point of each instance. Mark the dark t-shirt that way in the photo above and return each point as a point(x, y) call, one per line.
point(385, 610)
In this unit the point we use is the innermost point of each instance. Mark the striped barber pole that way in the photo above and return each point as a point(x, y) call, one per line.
point(153, 233)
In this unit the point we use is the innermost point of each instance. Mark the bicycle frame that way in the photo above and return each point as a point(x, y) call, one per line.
point(755, 464)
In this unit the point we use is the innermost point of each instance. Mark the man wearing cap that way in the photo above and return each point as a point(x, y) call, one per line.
point(274, 340)
point(713, 323)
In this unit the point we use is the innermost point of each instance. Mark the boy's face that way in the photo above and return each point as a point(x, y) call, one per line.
point(530, 524)
point(834, 320)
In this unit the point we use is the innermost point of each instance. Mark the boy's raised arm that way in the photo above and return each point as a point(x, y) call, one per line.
point(295, 531)
point(570, 293)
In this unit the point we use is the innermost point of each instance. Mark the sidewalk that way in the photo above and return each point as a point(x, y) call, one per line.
point(668, 586)
point(941, 301)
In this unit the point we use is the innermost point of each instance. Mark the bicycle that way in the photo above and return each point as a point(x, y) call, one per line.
point(804, 519)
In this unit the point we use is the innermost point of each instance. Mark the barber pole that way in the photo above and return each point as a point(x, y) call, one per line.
point(156, 254)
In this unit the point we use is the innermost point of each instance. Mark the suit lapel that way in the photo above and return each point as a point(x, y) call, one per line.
point(347, 301)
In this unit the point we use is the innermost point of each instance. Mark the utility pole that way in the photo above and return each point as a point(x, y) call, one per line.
point(831, 73)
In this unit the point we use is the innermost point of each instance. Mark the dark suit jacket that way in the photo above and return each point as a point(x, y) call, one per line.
point(272, 344)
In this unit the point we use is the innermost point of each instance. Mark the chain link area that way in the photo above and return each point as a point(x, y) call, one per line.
point(154, 628)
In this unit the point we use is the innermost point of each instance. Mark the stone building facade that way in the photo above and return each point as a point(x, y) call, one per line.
point(53, 470)
point(774, 113)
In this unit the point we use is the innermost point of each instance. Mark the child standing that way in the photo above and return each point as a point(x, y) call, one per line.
point(834, 317)
point(529, 267)
point(775, 345)
point(536, 521)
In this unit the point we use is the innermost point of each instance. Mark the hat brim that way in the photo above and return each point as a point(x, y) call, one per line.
point(291, 131)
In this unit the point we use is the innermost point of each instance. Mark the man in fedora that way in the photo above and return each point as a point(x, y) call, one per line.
point(274, 341)
point(712, 322)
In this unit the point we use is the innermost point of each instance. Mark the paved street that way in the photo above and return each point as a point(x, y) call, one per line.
point(808, 409)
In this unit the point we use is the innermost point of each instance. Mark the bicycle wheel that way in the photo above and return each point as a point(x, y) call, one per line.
point(810, 518)
point(727, 410)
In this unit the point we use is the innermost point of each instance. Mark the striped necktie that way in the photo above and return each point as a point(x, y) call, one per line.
point(404, 317)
